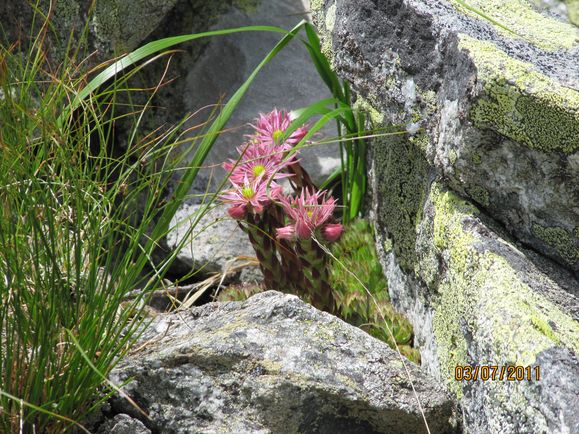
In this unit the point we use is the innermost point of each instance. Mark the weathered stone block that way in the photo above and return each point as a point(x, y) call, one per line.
point(476, 299)
point(487, 94)
point(489, 89)
point(275, 364)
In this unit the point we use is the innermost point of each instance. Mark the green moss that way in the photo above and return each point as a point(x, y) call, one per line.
point(521, 103)
point(357, 266)
point(360, 289)
point(477, 159)
point(482, 295)
point(563, 242)
point(517, 18)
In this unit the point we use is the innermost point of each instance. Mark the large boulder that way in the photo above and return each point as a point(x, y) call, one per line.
point(274, 364)
point(489, 88)
point(473, 202)
point(477, 299)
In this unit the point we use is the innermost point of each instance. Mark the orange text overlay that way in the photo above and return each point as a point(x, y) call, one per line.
point(497, 373)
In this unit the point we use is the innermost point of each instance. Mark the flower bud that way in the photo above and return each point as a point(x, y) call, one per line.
point(285, 233)
point(332, 232)
point(237, 212)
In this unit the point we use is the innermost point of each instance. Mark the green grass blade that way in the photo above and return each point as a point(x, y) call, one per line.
point(207, 142)
point(148, 50)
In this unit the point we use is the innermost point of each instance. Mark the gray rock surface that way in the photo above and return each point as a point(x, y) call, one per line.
point(471, 203)
point(477, 299)
point(493, 101)
point(273, 364)
point(123, 424)
point(214, 243)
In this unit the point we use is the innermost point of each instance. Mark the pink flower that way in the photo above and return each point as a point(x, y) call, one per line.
point(332, 232)
point(309, 211)
point(258, 160)
point(270, 129)
point(252, 196)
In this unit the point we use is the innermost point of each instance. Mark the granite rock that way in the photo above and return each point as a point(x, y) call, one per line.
point(274, 364)
point(213, 244)
point(476, 208)
point(488, 91)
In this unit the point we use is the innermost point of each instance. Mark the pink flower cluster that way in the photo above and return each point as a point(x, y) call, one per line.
point(282, 229)
point(309, 211)
point(265, 159)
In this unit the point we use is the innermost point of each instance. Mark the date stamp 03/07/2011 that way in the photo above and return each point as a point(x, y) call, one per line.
point(497, 373)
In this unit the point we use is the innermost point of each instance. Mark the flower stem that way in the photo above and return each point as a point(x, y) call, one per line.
point(264, 248)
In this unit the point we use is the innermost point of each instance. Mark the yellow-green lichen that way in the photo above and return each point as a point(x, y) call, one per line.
point(365, 105)
point(518, 19)
point(331, 18)
point(420, 140)
point(325, 25)
point(482, 299)
point(544, 327)
point(429, 100)
point(387, 245)
point(316, 5)
point(573, 11)
point(452, 156)
point(563, 242)
point(521, 103)
point(477, 159)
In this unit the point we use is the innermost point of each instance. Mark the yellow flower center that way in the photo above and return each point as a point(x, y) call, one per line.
point(247, 192)
point(258, 170)
point(277, 135)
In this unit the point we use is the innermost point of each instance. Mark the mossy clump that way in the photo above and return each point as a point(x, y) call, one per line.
point(357, 268)
point(238, 292)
